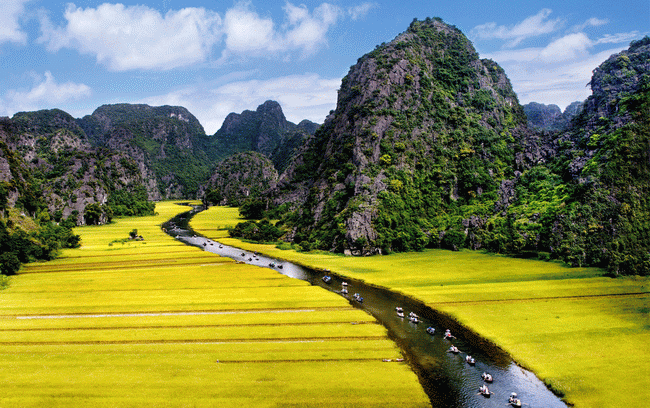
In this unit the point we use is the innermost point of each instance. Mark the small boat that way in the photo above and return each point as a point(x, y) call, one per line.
point(220, 246)
point(358, 298)
point(448, 335)
point(453, 349)
point(431, 330)
point(483, 390)
point(344, 291)
point(513, 400)
point(280, 266)
point(327, 279)
point(470, 360)
point(344, 284)
point(272, 265)
point(243, 254)
point(414, 319)
point(487, 377)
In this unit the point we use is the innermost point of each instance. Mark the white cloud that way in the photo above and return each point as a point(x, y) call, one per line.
point(307, 96)
point(246, 32)
point(136, 37)
point(592, 22)
point(249, 34)
point(552, 75)
point(306, 32)
point(618, 38)
point(532, 26)
point(361, 10)
point(567, 48)
point(10, 30)
point(559, 72)
point(46, 93)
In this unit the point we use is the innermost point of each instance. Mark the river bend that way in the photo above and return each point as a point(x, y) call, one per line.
point(447, 378)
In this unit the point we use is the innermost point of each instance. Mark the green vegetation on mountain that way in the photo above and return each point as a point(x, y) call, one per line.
point(240, 177)
point(168, 140)
point(550, 117)
point(428, 147)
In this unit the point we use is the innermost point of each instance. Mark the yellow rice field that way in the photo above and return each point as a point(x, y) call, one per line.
point(159, 323)
point(584, 334)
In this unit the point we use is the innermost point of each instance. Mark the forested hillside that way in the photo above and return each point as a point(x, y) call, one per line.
point(429, 147)
point(169, 144)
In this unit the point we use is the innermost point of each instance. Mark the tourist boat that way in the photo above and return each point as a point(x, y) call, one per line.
point(431, 330)
point(483, 390)
point(448, 335)
point(487, 377)
point(470, 360)
point(399, 309)
point(513, 400)
point(414, 319)
point(400, 314)
point(327, 279)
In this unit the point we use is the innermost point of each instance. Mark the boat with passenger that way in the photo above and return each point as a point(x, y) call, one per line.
point(484, 391)
point(513, 400)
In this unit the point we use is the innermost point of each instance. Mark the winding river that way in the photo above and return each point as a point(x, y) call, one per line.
point(447, 378)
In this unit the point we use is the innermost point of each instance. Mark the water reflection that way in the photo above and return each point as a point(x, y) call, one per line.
point(447, 378)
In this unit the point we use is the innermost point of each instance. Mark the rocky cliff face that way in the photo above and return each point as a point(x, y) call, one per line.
point(550, 117)
point(265, 130)
point(47, 160)
point(168, 143)
point(421, 124)
point(241, 176)
point(605, 159)
point(428, 147)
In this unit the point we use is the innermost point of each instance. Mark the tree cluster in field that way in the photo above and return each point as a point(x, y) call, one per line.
point(43, 242)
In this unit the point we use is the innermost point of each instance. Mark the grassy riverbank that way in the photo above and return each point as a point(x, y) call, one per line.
point(157, 323)
point(584, 334)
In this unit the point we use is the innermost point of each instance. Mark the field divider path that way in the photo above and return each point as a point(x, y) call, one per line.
point(532, 299)
point(172, 313)
point(193, 341)
point(202, 326)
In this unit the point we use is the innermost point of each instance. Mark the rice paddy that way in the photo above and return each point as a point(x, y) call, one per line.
point(584, 334)
point(158, 323)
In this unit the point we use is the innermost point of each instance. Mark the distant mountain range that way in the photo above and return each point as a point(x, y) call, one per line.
point(550, 117)
point(428, 147)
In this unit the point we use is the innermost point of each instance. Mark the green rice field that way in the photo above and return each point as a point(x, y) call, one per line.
point(159, 323)
point(584, 334)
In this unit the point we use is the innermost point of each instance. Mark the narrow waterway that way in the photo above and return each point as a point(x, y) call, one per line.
point(447, 378)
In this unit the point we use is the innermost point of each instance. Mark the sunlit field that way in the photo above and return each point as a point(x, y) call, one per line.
point(584, 334)
point(159, 323)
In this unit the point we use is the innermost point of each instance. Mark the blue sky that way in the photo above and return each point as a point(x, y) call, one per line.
point(216, 57)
